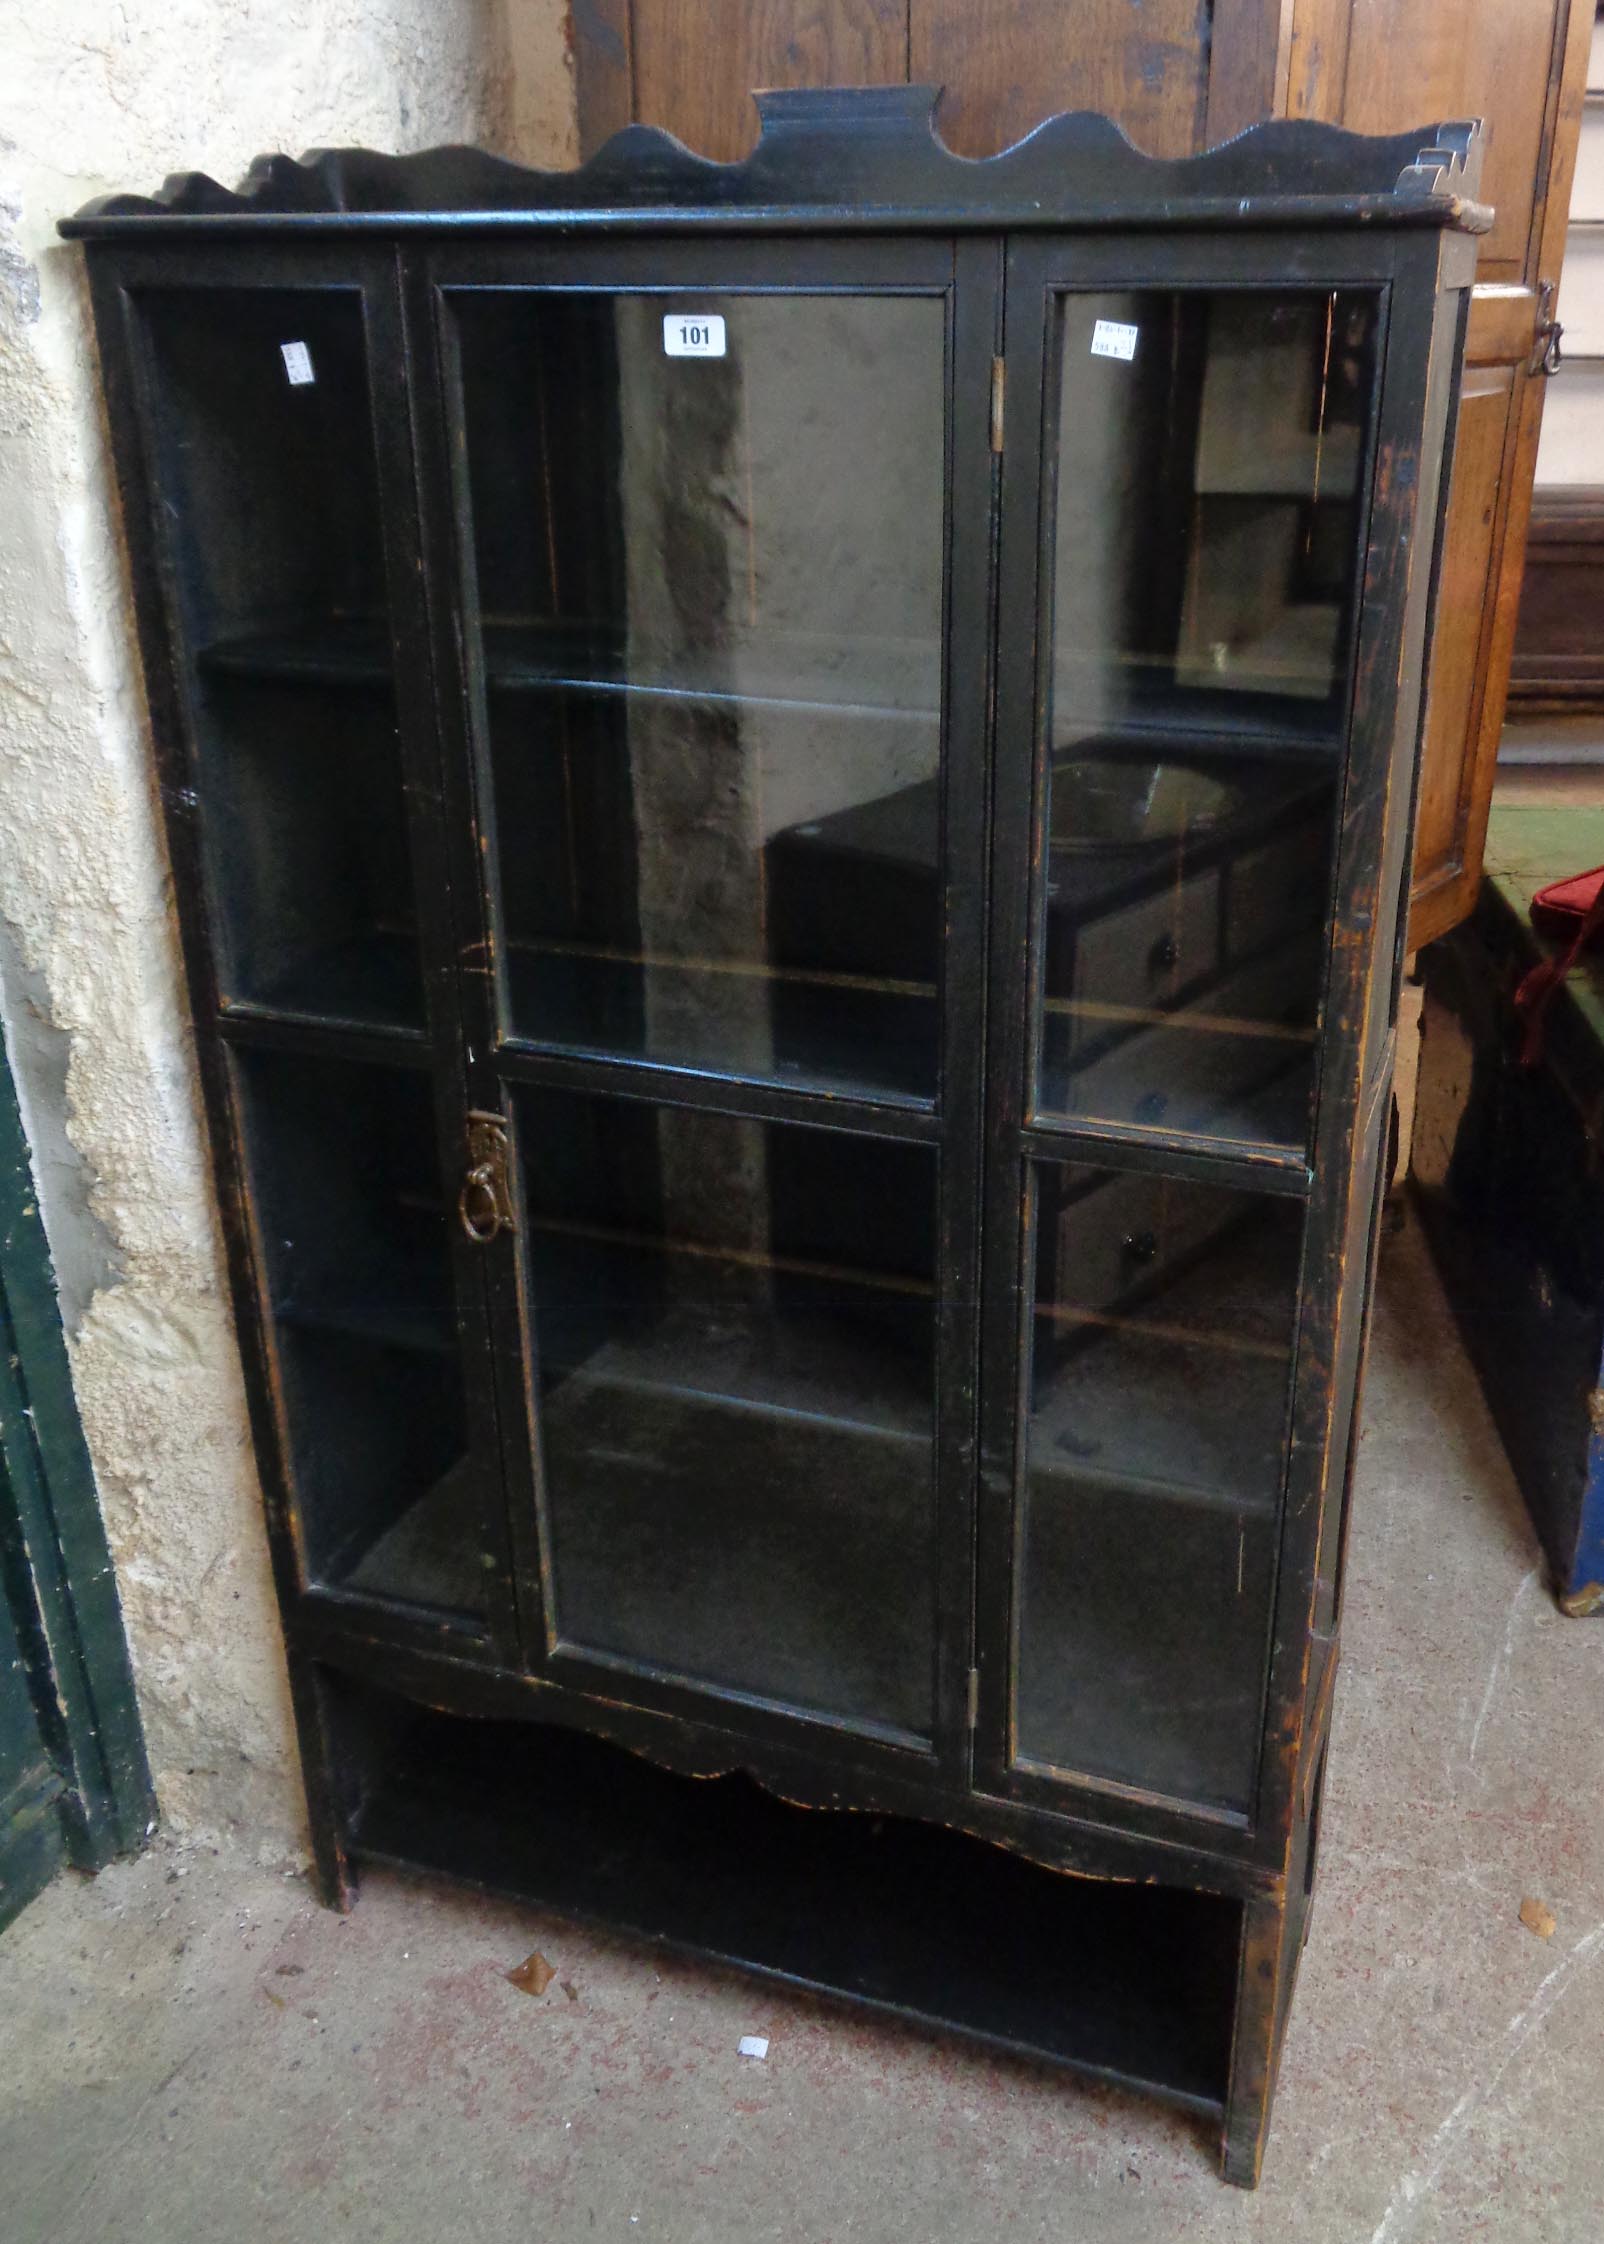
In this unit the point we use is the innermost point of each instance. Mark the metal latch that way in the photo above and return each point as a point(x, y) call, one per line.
point(1546, 336)
point(485, 1201)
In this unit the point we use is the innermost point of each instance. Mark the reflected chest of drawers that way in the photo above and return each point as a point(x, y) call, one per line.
point(789, 788)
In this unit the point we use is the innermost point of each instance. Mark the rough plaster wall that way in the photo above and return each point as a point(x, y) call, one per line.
point(97, 94)
point(540, 119)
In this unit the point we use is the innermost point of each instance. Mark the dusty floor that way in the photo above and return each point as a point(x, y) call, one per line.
point(190, 2050)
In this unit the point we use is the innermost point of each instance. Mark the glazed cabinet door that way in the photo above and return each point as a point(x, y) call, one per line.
point(1185, 506)
point(727, 745)
point(268, 499)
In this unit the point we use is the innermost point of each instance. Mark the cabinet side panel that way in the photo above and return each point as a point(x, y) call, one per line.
point(108, 278)
point(1418, 387)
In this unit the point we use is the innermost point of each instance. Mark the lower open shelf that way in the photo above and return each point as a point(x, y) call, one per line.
point(1130, 1983)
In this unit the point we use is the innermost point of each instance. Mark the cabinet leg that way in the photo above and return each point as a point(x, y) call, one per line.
point(1264, 1988)
point(316, 1737)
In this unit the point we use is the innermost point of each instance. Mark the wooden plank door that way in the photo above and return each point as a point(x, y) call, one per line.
point(1519, 64)
point(1177, 74)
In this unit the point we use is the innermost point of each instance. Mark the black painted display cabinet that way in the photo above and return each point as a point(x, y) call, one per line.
point(789, 788)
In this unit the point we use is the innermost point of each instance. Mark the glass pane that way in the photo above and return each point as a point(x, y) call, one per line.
point(711, 594)
point(1160, 1356)
point(1203, 554)
point(352, 1225)
point(266, 467)
point(734, 1322)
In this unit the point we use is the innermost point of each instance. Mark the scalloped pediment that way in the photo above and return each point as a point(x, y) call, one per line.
point(841, 154)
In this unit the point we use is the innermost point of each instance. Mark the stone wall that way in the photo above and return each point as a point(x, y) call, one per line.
point(94, 95)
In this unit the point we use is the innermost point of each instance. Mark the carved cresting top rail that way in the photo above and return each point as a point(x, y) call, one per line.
point(842, 157)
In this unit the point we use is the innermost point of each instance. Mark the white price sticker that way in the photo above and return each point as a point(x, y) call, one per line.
point(1111, 338)
point(297, 364)
point(693, 334)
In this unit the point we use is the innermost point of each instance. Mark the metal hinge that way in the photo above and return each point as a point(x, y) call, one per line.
point(485, 1201)
point(999, 382)
point(974, 1698)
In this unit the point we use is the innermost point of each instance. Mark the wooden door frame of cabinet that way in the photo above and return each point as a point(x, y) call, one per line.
point(965, 276)
point(1503, 327)
point(227, 1033)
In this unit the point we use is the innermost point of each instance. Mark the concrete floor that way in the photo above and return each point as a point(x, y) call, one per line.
point(192, 2051)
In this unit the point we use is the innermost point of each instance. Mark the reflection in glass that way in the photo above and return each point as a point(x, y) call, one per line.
point(711, 602)
point(734, 1324)
point(270, 492)
point(1204, 547)
point(354, 1247)
point(1161, 1348)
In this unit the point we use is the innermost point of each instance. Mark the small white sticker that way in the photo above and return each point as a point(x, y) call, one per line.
point(297, 364)
point(693, 334)
point(755, 2045)
point(1111, 338)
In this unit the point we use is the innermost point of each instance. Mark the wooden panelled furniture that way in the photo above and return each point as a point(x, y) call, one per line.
point(1559, 649)
point(789, 787)
point(1179, 76)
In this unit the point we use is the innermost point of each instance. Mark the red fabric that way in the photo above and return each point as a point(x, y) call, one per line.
point(1557, 908)
point(1573, 909)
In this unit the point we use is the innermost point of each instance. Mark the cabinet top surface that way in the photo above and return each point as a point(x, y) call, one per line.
point(838, 158)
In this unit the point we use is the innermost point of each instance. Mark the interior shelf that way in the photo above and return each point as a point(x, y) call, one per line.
point(323, 651)
point(1216, 1088)
point(799, 1361)
point(1137, 699)
point(433, 1547)
point(836, 1030)
point(1131, 1983)
point(1142, 1637)
point(736, 1415)
point(1147, 700)
point(387, 1298)
point(882, 680)
point(369, 982)
point(1154, 1413)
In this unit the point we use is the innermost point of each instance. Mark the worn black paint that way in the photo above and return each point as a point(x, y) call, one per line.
point(1285, 204)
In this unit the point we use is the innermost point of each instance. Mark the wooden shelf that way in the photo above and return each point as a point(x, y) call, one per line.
point(393, 1303)
point(845, 1032)
point(797, 1360)
point(534, 658)
point(434, 1542)
point(336, 651)
point(373, 983)
point(1132, 1984)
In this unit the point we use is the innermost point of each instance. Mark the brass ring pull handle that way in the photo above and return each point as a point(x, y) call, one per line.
point(479, 1204)
point(484, 1205)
